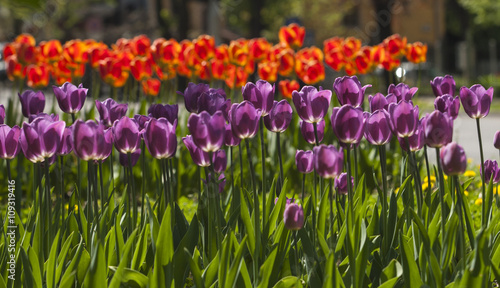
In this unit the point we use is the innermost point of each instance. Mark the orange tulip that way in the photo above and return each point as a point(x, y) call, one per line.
point(75, 51)
point(332, 44)
point(259, 48)
point(15, 71)
point(395, 45)
point(151, 87)
point(287, 87)
point(238, 72)
point(51, 50)
point(141, 68)
point(78, 71)
point(292, 35)
point(218, 69)
point(310, 71)
point(124, 59)
point(222, 54)
point(25, 39)
point(238, 52)
point(362, 59)
point(9, 50)
point(140, 45)
point(97, 54)
point(350, 68)
point(204, 47)
point(285, 57)
point(377, 54)
point(390, 63)
point(268, 71)
point(416, 52)
point(166, 52)
point(187, 59)
point(204, 71)
point(112, 72)
point(166, 73)
point(351, 45)
point(37, 76)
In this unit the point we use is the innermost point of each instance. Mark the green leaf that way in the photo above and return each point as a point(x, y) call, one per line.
point(140, 249)
point(188, 242)
point(237, 262)
point(61, 260)
point(35, 267)
point(195, 268)
point(69, 275)
point(289, 282)
point(97, 272)
point(29, 280)
point(247, 221)
point(163, 266)
point(210, 273)
point(52, 262)
point(266, 269)
point(119, 273)
point(411, 273)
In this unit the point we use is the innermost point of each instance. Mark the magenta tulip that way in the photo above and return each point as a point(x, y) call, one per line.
point(260, 94)
point(293, 217)
point(348, 124)
point(304, 160)
point(402, 91)
point(110, 111)
point(349, 90)
point(377, 127)
point(41, 139)
point(207, 131)
point(328, 161)
point(438, 129)
point(126, 135)
point(404, 118)
point(244, 119)
point(453, 159)
point(91, 140)
point(279, 117)
point(160, 139)
point(69, 97)
point(476, 100)
point(307, 131)
point(9, 141)
point(32, 103)
point(443, 85)
point(311, 104)
point(200, 157)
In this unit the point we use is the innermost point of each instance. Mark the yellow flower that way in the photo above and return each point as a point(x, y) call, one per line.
point(433, 179)
point(466, 193)
point(396, 191)
point(469, 173)
point(425, 185)
point(479, 201)
point(66, 206)
point(469, 160)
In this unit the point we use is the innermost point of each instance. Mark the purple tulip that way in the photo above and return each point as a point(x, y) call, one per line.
point(160, 139)
point(447, 104)
point(126, 135)
point(142, 121)
point(378, 127)
point(379, 101)
point(110, 111)
point(134, 157)
point(207, 131)
point(491, 171)
point(245, 119)
point(2, 114)
point(91, 140)
point(496, 140)
point(453, 159)
point(304, 160)
point(288, 200)
point(229, 138)
point(476, 100)
point(41, 139)
point(169, 112)
point(404, 118)
point(51, 117)
point(199, 157)
point(438, 129)
point(293, 217)
point(32, 103)
point(219, 161)
point(191, 95)
point(214, 100)
point(307, 131)
point(402, 91)
point(348, 124)
point(9, 141)
point(416, 141)
point(67, 142)
point(260, 94)
point(69, 97)
point(349, 90)
point(311, 104)
point(328, 161)
point(443, 85)
point(279, 117)
point(340, 184)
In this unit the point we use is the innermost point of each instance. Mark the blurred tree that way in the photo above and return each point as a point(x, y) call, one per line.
point(486, 12)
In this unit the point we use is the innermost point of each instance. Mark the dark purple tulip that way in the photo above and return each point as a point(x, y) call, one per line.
point(199, 157)
point(348, 124)
point(304, 160)
point(244, 119)
point(341, 184)
point(219, 161)
point(221, 179)
point(126, 135)
point(404, 118)
point(229, 138)
point(402, 91)
point(496, 140)
point(293, 217)
point(328, 161)
point(170, 112)
point(32, 103)
point(69, 97)
point(110, 111)
point(438, 129)
point(214, 100)
point(417, 140)
point(191, 95)
point(377, 101)
point(279, 117)
point(159, 137)
point(349, 90)
point(67, 142)
point(91, 140)
point(491, 171)
point(288, 200)
point(378, 127)
point(447, 104)
point(142, 121)
point(476, 100)
point(443, 85)
point(134, 157)
point(453, 159)
point(311, 104)
point(207, 131)
point(41, 139)
point(307, 131)
point(2, 114)
point(51, 117)
point(9, 141)
point(260, 94)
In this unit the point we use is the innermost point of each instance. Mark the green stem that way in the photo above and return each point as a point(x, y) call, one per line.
point(462, 225)
point(134, 203)
point(383, 168)
point(143, 192)
point(330, 196)
point(47, 198)
point(103, 197)
point(61, 189)
point(441, 195)
point(263, 163)
point(282, 179)
point(355, 164)
point(484, 219)
point(256, 215)
point(241, 167)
